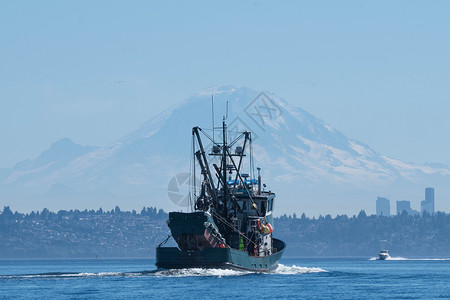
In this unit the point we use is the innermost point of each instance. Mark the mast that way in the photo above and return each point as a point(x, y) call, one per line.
point(201, 157)
point(212, 113)
point(241, 156)
point(220, 193)
point(224, 166)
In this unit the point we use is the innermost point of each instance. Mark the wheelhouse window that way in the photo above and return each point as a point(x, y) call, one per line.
point(270, 204)
point(243, 205)
point(263, 207)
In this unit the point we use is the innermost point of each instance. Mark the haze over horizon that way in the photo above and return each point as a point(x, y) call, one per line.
point(93, 72)
point(312, 166)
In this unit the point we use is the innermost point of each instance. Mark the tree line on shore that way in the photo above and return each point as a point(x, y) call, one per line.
point(362, 235)
point(117, 233)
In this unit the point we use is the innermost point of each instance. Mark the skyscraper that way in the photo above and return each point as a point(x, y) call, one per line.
point(383, 207)
point(428, 204)
point(403, 206)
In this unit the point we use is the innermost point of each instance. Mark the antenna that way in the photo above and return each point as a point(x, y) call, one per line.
point(227, 111)
point(212, 108)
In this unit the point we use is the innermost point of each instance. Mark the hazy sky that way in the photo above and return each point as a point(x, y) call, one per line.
point(93, 71)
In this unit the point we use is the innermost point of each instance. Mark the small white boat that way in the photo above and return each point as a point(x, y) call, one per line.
point(383, 254)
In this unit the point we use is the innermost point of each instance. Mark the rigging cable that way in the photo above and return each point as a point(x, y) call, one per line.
point(192, 178)
point(224, 221)
point(252, 164)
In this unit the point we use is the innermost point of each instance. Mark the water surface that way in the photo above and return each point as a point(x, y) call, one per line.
point(318, 278)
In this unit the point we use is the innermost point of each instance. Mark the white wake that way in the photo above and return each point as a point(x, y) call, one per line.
point(192, 272)
point(404, 258)
point(293, 270)
point(280, 270)
point(199, 272)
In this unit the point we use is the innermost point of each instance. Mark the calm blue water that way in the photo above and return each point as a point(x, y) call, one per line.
point(309, 278)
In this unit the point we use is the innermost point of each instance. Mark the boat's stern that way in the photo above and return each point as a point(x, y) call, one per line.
point(223, 258)
point(194, 231)
point(174, 258)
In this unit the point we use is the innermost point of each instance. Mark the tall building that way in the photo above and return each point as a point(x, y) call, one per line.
point(403, 206)
point(429, 197)
point(428, 204)
point(383, 207)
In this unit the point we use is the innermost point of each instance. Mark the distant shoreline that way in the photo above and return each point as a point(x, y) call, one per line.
point(120, 234)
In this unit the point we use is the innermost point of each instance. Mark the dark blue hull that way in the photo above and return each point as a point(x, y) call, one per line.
point(225, 258)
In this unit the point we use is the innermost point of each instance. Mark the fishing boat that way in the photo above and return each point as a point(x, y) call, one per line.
point(383, 254)
point(230, 224)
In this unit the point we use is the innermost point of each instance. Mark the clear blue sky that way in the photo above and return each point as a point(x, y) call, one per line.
point(93, 71)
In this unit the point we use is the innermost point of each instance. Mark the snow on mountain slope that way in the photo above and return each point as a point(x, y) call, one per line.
point(309, 164)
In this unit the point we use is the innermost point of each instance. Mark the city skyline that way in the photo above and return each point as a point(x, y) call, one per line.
point(383, 205)
point(94, 75)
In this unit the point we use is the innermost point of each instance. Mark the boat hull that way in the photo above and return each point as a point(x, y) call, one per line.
point(383, 256)
point(190, 232)
point(223, 258)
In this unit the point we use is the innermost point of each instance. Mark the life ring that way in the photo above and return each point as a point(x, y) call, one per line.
point(265, 228)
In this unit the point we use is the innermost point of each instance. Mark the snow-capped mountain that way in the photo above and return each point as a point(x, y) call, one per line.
point(309, 164)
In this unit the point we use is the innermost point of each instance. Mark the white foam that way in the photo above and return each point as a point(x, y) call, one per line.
point(396, 258)
point(281, 269)
point(426, 259)
point(100, 274)
point(293, 270)
point(199, 272)
point(389, 258)
point(193, 272)
point(403, 258)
